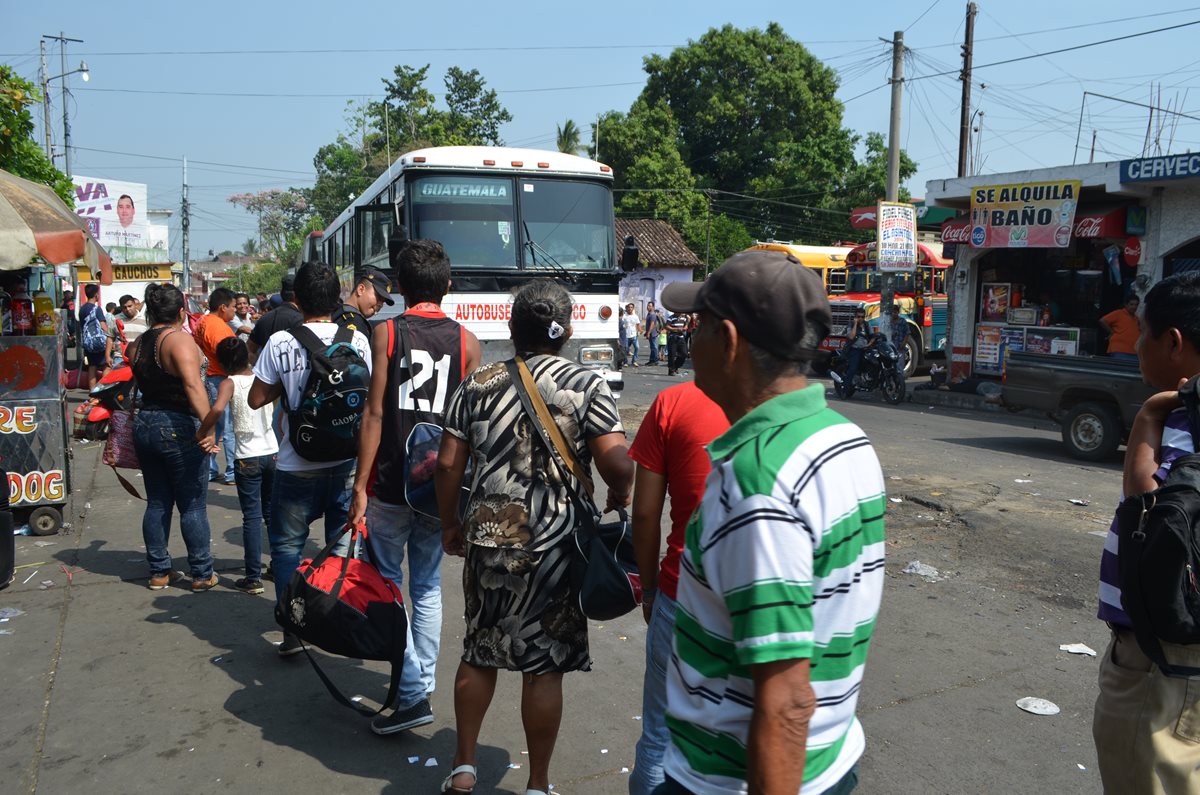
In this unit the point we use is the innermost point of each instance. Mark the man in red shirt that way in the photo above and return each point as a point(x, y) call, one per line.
point(669, 451)
point(213, 328)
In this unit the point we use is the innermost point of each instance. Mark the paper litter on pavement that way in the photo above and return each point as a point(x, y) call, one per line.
point(1078, 648)
point(1038, 706)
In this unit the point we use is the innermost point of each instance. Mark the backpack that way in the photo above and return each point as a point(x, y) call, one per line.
point(346, 607)
point(324, 426)
point(94, 338)
point(1159, 555)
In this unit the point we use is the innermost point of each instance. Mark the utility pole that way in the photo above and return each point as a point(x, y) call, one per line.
point(707, 233)
point(185, 221)
point(964, 114)
point(45, 75)
point(1092, 156)
point(887, 293)
point(62, 40)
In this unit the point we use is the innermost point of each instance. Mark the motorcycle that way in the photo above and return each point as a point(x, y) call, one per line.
point(882, 368)
point(111, 393)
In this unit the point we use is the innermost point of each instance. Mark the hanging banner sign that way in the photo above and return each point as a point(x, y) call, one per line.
point(1029, 215)
point(897, 238)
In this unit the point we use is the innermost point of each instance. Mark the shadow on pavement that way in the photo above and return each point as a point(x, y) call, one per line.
point(286, 701)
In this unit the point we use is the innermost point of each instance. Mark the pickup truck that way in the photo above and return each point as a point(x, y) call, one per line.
point(1094, 398)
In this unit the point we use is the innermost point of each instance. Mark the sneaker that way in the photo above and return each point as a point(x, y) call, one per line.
point(419, 714)
point(268, 574)
point(291, 645)
point(230, 482)
point(205, 584)
point(249, 585)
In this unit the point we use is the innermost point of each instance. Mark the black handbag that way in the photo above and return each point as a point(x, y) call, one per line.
point(604, 572)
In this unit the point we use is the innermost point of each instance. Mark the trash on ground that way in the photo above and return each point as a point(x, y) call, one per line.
point(624, 770)
point(30, 577)
point(604, 750)
point(10, 612)
point(1021, 480)
point(29, 565)
point(46, 585)
point(1081, 767)
point(637, 717)
point(513, 766)
point(412, 760)
point(1099, 533)
point(6, 632)
point(1038, 706)
point(937, 494)
point(431, 762)
point(895, 499)
point(23, 530)
point(922, 570)
point(45, 543)
point(1078, 648)
point(357, 699)
point(1080, 502)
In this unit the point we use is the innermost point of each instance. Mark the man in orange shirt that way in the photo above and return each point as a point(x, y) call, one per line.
point(213, 328)
point(1121, 326)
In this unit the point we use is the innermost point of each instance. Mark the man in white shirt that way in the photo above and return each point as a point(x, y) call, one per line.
point(131, 317)
point(242, 323)
point(304, 490)
point(633, 330)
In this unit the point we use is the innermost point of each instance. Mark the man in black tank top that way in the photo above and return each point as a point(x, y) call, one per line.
point(419, 360)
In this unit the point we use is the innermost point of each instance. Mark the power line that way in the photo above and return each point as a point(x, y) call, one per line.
point(923, 13)
point(1062, 49)
point(283, 95)
point(202, 162)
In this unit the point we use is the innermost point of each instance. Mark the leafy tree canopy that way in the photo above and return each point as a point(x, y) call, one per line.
point(19, 153)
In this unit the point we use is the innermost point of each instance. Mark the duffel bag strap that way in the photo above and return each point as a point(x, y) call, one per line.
point(340, 697)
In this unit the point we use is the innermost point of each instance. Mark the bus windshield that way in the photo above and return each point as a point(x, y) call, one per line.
point(566, 224)
point(481, 219)
point(870, 281)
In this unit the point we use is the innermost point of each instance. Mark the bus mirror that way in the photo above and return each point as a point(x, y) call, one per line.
point(630, 254)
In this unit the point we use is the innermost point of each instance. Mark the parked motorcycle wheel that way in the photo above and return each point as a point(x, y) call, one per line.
point(892, 387)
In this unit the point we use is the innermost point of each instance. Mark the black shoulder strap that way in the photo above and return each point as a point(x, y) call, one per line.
point(311, 342)
point(1190, 396)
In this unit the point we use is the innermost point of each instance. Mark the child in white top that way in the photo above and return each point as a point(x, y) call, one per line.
point(255, 453)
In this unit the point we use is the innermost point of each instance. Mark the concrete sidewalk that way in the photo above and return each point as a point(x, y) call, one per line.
point(111, 687)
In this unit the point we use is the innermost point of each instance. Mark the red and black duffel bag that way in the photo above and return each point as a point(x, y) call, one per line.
point(344, 606)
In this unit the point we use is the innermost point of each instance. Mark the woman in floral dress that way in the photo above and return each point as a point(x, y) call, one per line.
point(516, 535)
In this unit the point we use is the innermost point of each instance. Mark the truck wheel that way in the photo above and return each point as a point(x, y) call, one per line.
point(1092, 431)
point(912, 356)
point(45, 521)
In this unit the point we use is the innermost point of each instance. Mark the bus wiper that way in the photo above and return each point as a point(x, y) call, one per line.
point(535, 249)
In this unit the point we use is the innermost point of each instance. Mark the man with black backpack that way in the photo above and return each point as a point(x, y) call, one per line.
point(1146, 723)
point(420, 358)
point(322, 373)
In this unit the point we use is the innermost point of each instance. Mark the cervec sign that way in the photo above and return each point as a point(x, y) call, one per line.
point(1156, 169)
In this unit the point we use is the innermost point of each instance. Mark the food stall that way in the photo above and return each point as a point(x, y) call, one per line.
point(39, 239)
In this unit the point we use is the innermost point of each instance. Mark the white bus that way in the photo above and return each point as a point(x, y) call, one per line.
point(505, 216)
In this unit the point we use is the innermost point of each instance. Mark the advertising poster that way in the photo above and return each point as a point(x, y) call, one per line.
point(1029, 215)
point(993, 303)
point(897, 238)
point(987, 349)
point(115, 212)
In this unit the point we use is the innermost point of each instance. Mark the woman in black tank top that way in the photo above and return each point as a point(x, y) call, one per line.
point(174, 459)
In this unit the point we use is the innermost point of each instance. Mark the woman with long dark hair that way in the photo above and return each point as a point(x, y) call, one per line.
point(517, 532)
point(172, 452)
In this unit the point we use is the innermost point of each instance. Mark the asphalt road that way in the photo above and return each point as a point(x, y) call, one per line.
point(113, 688)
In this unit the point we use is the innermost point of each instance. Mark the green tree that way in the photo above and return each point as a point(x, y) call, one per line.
point(259, 277)
point(568, 137)
point(866, 182)
point(250, 247)
point(19, 153)
point(474, 113)
point(283, 217)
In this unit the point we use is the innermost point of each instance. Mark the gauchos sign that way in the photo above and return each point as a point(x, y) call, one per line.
point(1030, 215)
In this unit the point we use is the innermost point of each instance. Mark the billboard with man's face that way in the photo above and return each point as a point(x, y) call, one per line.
point(115, 212)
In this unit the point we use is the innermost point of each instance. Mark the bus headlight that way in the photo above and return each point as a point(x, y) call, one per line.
point(596, 356)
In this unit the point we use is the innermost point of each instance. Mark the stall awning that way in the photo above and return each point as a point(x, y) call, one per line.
point(1089, 225)
point(34, 221)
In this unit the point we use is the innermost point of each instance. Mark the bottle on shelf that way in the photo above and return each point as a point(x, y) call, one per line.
point(43, 315)
point(6, 323)
point(22, 312)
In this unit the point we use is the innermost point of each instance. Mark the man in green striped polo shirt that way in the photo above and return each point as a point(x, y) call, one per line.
point(782, 569)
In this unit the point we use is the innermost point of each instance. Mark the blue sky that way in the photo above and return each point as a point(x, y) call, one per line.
point(575, 63)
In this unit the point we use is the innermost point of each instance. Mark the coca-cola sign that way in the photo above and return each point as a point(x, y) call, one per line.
point(956, 232)
point(1132, 252)
point(1087, 226)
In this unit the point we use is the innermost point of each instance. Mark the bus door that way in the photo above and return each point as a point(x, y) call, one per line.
point(373, 224)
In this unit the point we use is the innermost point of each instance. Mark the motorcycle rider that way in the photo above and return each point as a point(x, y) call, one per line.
point(858, 340)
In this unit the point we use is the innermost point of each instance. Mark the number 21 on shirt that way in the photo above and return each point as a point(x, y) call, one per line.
point(422, 368)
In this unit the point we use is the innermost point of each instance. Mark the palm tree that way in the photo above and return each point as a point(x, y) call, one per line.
point(250, 247)
point(568, 137)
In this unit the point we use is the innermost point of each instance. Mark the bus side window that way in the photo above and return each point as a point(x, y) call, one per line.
point(939, 281)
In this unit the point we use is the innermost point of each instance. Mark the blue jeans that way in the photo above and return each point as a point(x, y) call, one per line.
point(653, 348)
point(647, 771)
point(174, 471)
point(299, 499)
point(390, 530)
point(847, 784)
point(255, 478)
point(631, 350)
point(223, 431)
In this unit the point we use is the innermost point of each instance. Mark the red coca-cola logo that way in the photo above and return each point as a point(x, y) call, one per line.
point(1133, 252)
point(956, 233)
point(1088, 226)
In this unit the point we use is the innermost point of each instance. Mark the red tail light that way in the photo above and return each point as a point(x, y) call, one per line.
point(605, 312)
point(517, 164)
point(543, 165)
point(489, 162)
point(418, 159)
point(605, 169)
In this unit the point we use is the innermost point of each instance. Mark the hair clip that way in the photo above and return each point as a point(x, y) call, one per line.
point(555, 331)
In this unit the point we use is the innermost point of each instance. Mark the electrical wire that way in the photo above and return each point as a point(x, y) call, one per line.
point(923, 13)
point(284, 95)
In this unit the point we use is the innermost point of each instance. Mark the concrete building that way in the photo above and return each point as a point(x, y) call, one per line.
point(664, 259)
point(1041, 255)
